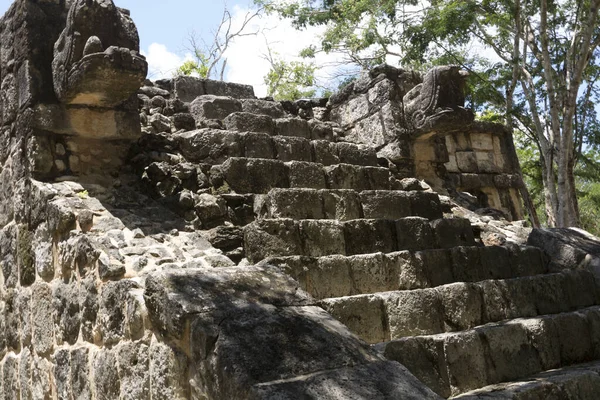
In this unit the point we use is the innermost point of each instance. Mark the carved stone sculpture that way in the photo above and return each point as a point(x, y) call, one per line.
point(96, 58)
point(439, 98)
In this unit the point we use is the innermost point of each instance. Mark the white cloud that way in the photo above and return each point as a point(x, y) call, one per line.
point(161, 62)
point(246, 56)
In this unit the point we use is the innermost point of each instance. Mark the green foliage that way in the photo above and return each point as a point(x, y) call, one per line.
point(290, 80)
point(198, 66)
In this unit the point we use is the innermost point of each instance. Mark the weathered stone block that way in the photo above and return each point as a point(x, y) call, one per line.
point(324, 152)
point(496, 261)
point(350, 153)
point(412, 273)
point(88, 306)
point(425, 205)
point(168, 372)
point(43, 323)
point(369, 236)
point(322, 238)
point(363, 315)
point(346, 176)
point(343, 205)
point(62, 372)
point(105, 378)
point(266, 238)
point(374, 273)
point(292, 203)
point(111, 313)
point(288, 148)
point(247, 175)
point(213, 107)
point(292, 127)
point(574, 338)
point(134, 370)
point(305, 175)
point(462, 306)
point(210, 145)
point(414, 233)
point(451, 232)
point(80, 373)
point(246, 122)
point(272, 109)
point(385, 204)
point(414, 312)
point(467, 161)
point(258, 145)
point(465, 360)
point(437, 265)
point(466, 264)
point(65, 299)
point(482, 141)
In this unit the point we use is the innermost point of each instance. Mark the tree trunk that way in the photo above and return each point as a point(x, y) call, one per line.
point(550, 196)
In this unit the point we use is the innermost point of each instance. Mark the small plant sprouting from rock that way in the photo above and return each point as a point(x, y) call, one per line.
point(83, 194)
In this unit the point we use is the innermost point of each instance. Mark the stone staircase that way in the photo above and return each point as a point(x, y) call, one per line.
point(385, 258)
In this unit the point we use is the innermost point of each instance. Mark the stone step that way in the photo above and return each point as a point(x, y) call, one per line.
point(259, 175)
point(322, 237)
point(347, 204)
point(338, 276)
point(214, 146)
point(455, 363)
point(581, 382)
point(386, 316)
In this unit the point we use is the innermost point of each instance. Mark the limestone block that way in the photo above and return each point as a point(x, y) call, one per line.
point(321, 130)
point(346, 176)
point(424, 151)
point(210, 145)
point(168, 373)
point(295, 127)
point(8, 98)
point(450, 143)
point(305, 175)
point(486, 162)
point(187, 88)
point(364, 236)
point(258, 145)
point(420, 355)
point(272, 109)
point(88, 306)
point(66, 311)
point(543, 336)
point(528, 260)
point(511, 353)
point(331, 278)
point(43, 324)
point(363, 315)
point(293, 203)
point(452, 164)
point(213, 107)
point(80, 373)
point(111, 312)
point(425, 205)
point(62, 372)
point(412, 274)
point(462, 306)
point(134, 370)
point(343, 205)
point(265, 238)
point(322, 237)
point(23, 307)
point(574, 338)
point(467, 161)
point(451, 232)
point(289, 148)
point(242, 122)
point(10, 376)
point(393, 381)
point(465, 360)
point(374, 273)
point(350, 153)
point(325, 152)
point(378, 178)
point(184, 121)
point(437, 265)
point(414, 233)
point(235, 90)
point(386, 204)
point(495, 303)
point(354, 110)
point(520, 294)
point(25, 360)
point(467, 265)
point(41, 378)
point(105, 378)
point(549, 294)
point(482, 141)
point(415, 312)
point(247, 175)
point(496, 260)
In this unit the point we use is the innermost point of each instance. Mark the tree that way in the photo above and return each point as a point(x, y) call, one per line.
point(545, 48)
point(209, 60)
point(288, 80)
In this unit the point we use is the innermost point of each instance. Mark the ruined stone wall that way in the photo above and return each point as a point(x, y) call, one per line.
point(71, 323)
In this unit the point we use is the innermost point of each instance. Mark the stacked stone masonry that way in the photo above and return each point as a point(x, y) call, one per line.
point(182, 239)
